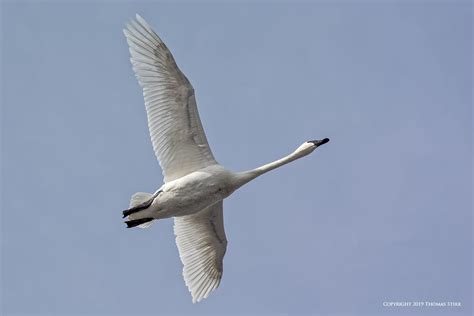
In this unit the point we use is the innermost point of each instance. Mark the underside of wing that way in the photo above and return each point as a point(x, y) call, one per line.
point(202, 244)
point(176, 131)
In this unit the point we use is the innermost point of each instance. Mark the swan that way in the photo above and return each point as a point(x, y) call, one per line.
point(195, 184)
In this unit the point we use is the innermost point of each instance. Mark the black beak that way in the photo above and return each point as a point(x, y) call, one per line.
point(320, 142)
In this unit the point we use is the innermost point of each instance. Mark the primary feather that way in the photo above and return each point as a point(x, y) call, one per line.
point(173, 119)
point(202, 244)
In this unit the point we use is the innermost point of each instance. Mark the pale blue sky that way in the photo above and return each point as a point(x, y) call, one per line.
point(381, 213)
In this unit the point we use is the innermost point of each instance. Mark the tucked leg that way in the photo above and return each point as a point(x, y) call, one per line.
point(141, 206)
point(136, 222)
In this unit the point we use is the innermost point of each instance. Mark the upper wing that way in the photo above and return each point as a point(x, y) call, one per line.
point(175, 128)
point(202, 244)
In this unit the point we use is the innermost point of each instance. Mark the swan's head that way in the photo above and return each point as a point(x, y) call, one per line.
point(309, 146)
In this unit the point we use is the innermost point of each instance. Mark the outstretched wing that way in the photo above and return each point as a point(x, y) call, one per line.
point(202, 244)
point(176, 131)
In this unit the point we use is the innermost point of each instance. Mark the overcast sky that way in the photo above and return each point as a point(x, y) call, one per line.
point(382, 213)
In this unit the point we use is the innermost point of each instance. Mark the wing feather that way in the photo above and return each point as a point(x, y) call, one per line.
point(177, 135)
point(202, 245)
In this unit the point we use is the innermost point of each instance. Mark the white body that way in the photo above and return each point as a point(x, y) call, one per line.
point(192, 193)
point(195, 184)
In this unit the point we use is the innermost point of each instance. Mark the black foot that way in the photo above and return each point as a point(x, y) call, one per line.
point(137, 208)
point(137, 222)
point(141, 206)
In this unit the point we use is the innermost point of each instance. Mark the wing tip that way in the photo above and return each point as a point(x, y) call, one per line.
point(140, 19)
point(138, 27)
point(198, 293)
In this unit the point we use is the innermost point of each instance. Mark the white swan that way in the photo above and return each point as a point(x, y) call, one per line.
point(195, 184)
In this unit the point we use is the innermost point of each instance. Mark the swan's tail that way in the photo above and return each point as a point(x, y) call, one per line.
point(137, 214)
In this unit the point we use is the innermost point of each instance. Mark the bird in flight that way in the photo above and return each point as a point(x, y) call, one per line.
point(195, 184)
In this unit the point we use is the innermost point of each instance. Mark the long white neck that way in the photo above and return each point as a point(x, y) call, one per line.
point(306, 148)
point(246, 176)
